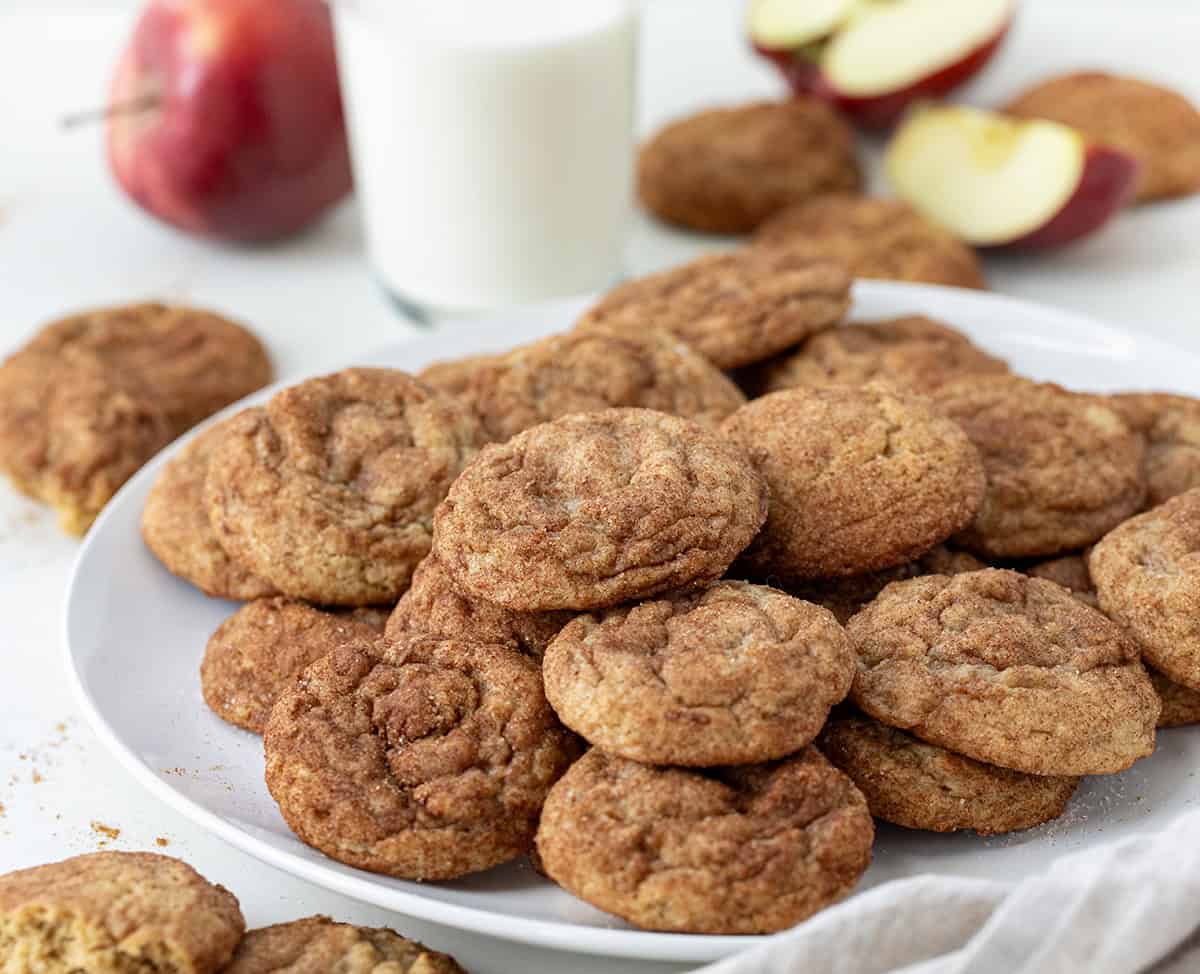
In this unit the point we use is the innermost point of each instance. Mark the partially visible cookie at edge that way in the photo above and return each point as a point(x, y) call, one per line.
point(1170, 425)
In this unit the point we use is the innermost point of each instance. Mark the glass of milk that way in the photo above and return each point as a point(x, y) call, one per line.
point(493, 144)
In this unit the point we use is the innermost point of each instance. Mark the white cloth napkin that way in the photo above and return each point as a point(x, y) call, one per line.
point(1123, 908)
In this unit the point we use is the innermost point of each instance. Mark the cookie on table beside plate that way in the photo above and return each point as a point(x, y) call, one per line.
point(1170, 425)
point(317, 945)
point(259, 651)
point(734, 309)
point(1006, 669)
point(726, 170)
point(860, 478)
point(751, 849)
point(1157, 126)
point(874, 238)
point(596, 509)
point(730, 674)
point(922, 786)
point(113, 913)
point(328, 492)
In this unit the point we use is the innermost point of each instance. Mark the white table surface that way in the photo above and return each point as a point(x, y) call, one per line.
point(69, 239)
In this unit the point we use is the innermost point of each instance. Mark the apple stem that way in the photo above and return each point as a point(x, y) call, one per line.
point(135, 106)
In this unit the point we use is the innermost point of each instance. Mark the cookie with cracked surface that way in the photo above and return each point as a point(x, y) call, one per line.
point(1006, 669)
point(596, 509)
point(860, 479)
point(116, 912)
point(317, 945)
point(874, 238)
point(177, 531)
point(259, 651)
point(328, 493)
point(913, 353)
point(1062, 467)
point(750, 849)
point(1170, 425)
point(730, 674)
point(734, 309)
point(423, 758)
point(585, 371)
point(1157, 126)
point(726, 170)
point(434, 604)
point(922, 786)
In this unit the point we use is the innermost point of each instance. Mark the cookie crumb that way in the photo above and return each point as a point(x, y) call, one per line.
point(161, 842)
point(37, 777)
point(107, 831)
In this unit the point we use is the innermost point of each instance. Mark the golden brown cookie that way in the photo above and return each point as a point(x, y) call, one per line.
point(116, 913)
point(424, 758)
point(585, 371)
point(922, 786)
point(1180, 704)
point(734, 309)
point(1155, 125)
point(913, 353)
point(860, 479)
point(596, 509)
point(1062, 467)
point(752, 849)
point(433, 604)
point(329, 492)
point(176, 528)
point(726, 170)
point(730, 674)
point(317, 945)
point(1170, 426)
point(1006, 669)
point(259, 651)
point(873, 238)
point(1069, 571)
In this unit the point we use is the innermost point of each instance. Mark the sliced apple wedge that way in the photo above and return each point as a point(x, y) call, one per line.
point(873, 58)
point(998, 181)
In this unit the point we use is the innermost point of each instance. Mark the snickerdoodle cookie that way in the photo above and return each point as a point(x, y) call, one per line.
point(1155, 125)
point(329, 491)
point(913, 353)
point(258, 651)
point(1006, 669)
point(874, 238)
point(433, 604)
point(1062, 467)
point(585, 371)
point(734, 309)
point(1069, 571)
point(922, 786)
point(751, 849)
point(1170, 426)
point(176, 528)
point(423, 758)
point(116, 913)
point(731, 674)
point(860, 479)
point(596, 509)
point(726, 170)
point(317, 945)
point(1180, 704)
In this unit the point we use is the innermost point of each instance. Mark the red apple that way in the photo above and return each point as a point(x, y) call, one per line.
point(873, 58)
point(227, 117)
point(999, 181)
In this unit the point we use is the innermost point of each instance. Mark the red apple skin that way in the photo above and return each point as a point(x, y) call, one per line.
point(247, 139)
point(1106, 186)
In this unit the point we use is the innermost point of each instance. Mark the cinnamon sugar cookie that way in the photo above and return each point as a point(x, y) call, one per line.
point(734, 309)
point(730, 674)
point(424, 758)
point(596, 509)
point(873, 238)
point(329, 492)
point(860, 479)
point(1180, 704)
point(1170, 426)
point(726, 170)
point(922, 786)
point(1071, 572)
point(1006, 669)
point(753, 849)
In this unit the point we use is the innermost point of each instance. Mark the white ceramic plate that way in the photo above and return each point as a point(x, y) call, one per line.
point(135, 636)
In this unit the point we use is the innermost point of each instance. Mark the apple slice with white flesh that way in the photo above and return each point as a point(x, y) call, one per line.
point(999, 181)
point(873, 58)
